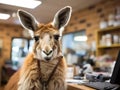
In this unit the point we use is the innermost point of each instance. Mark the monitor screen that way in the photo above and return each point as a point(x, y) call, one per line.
point(115, 79)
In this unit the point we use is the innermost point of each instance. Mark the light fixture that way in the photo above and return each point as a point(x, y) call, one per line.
point(4, 16)
point(80, 38)
point(22, 3)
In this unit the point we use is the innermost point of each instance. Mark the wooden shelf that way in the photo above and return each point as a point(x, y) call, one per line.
point(112, 46)
point(110, 50)
point(108, 29)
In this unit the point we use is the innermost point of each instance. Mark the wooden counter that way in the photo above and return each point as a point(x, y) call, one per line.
point(78, 87)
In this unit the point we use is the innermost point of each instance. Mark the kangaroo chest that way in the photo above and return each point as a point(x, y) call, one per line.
point(46, 71)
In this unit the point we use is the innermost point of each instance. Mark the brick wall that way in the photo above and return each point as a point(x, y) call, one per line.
point(89, 18)
point(7, 32)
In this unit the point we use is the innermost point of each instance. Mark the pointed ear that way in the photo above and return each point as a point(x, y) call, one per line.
point(62, 17)
point(27, 21)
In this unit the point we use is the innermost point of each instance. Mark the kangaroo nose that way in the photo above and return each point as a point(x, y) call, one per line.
point(48, 53)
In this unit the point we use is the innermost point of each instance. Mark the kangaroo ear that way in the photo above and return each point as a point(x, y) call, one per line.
point(62, 17)
point(27, 20)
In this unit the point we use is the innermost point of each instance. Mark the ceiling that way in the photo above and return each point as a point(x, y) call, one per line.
point(46, 11)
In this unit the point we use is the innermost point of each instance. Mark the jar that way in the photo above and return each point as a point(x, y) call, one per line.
point(108, 39)
point(111, 19)
point(115, 39)
point(103, 24)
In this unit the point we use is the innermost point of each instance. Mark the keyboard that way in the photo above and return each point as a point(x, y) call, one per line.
point(102, 85)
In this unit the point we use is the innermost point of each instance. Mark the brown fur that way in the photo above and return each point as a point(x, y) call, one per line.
point(29, 76)
point(47, 49)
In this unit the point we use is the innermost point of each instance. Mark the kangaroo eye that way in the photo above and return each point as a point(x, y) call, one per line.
point(56, 37)
point(36, 38)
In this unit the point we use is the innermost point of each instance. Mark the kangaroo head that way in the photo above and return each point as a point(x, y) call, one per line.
point(47, 36)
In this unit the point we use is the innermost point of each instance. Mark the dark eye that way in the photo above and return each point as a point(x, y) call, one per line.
point(36, 38)
point(56, 37)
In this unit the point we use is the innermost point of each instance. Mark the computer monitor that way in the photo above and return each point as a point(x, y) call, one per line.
point(115, 78)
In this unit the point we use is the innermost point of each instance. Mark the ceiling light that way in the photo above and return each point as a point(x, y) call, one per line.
point(4, 16)
point(22, 3)
point(80, 38)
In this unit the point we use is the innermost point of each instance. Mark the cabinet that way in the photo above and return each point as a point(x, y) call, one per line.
point(108, 41)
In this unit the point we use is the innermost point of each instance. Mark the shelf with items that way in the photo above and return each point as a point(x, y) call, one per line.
point(108, 41)
point(109, 29)
point(111, 46)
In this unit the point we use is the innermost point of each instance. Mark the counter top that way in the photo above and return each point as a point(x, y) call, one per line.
point(78, 87)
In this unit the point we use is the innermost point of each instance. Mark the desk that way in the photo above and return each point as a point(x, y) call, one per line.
point(78, 87)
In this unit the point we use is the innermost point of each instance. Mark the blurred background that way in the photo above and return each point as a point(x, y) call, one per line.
point(91, 39)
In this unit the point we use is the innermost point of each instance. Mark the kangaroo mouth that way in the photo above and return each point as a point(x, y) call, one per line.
point(47, 58)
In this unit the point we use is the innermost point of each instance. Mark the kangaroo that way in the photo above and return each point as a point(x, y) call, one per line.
point(45, 67)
